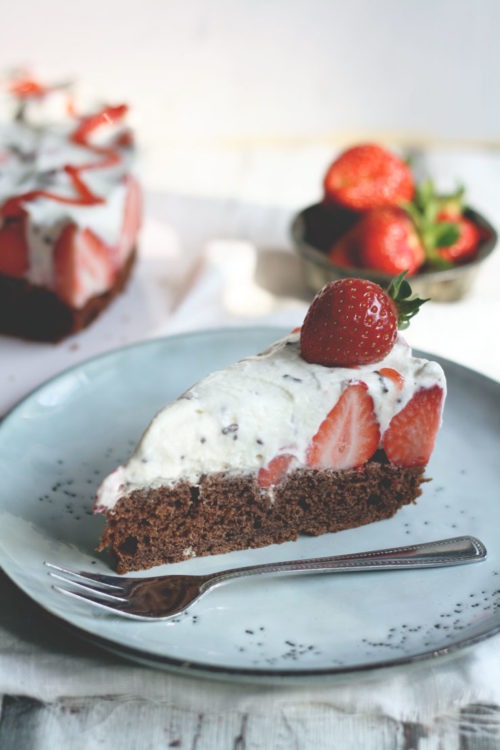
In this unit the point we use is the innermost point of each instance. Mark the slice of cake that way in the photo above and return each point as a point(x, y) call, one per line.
point(70, 211)
point(328, 429)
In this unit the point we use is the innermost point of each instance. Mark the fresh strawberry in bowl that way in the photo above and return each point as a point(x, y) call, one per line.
point(384, 239)
point(375, 221)
point(468, 232)
point(368, 176)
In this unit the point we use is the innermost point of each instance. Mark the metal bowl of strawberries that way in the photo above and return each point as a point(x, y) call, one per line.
point(375, 222)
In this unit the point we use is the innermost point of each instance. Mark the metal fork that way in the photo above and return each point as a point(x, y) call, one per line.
point(162, 597)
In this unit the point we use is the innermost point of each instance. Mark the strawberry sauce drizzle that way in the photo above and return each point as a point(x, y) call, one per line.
point(84, 196)
point(25, 87)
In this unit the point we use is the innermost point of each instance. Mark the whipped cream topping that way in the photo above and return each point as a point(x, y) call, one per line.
point(34, 154)
point(236, 420)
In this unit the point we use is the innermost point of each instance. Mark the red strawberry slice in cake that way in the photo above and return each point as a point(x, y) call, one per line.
point(82, 262)
point(393, 375)
point(132, 219)
point(410, 437)
point(14, 260)
point(274, 471)
point(349, 435)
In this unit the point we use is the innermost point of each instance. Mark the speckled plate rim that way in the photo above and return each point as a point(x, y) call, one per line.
point(199, 668)
point(266, 676)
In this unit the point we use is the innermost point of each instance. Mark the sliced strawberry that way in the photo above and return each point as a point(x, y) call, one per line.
point(83, 266)
point(394, 375)
point(410, 437)
point(349, 435)
point(274, 471)
point(14, 260)
point(132, 219)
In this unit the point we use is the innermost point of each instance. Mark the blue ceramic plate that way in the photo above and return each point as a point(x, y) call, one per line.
point(58, 444)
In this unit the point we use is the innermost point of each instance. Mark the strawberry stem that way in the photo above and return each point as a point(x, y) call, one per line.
point(435, 232)
point(407, 304)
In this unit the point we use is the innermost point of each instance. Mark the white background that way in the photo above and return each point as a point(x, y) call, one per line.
point(218, 85)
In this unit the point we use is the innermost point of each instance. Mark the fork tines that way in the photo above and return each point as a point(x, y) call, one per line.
point(86, 588)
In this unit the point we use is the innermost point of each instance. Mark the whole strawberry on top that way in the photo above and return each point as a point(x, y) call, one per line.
point(355, 322)
point(368, 176)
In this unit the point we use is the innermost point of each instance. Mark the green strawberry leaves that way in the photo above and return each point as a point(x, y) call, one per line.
point(407, 304)
point(425, 211)
point(445, 234)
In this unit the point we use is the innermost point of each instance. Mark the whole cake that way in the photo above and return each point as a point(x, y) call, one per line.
point(328, 429)
point(70, 210)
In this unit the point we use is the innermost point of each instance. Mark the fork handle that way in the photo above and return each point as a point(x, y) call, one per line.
point(444, 552)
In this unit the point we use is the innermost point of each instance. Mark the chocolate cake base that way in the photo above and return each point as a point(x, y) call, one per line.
point(32, 312)
point(222, 514)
